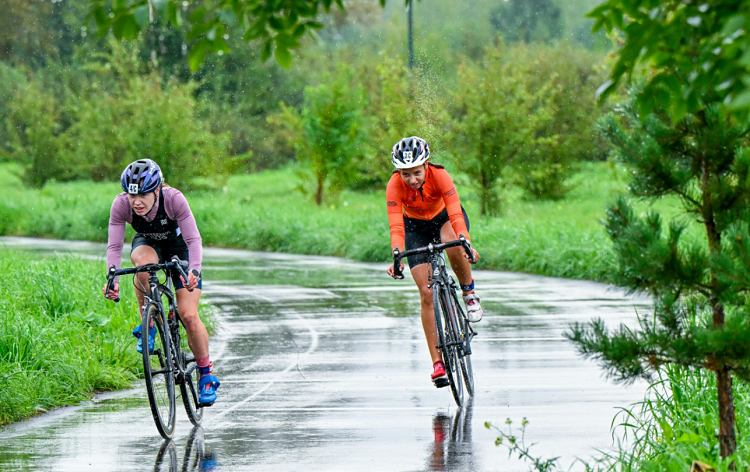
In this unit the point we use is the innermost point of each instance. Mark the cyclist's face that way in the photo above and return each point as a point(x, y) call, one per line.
point(142, 204)
point(414, 176)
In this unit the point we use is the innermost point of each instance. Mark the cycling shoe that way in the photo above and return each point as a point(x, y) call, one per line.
point(151, 338)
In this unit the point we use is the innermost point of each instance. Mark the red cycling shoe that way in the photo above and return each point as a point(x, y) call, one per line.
point(438, 375)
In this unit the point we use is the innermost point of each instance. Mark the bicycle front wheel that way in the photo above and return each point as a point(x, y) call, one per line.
point(446, 334)
point(158, 372)
point(465, 335)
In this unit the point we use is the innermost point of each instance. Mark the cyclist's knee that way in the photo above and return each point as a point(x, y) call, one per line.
point(426, 296)
point(144, 258)
point(190, 318)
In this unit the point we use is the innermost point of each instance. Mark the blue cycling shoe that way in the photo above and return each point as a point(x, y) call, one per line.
point(207, 386)
point(151, 338)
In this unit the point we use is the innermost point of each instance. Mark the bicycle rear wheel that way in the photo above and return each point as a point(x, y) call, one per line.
point(465, 335)
point(189, 383)
point(446, 334)
point(158, 373)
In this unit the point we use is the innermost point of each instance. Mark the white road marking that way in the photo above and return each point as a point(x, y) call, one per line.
point(278, 377)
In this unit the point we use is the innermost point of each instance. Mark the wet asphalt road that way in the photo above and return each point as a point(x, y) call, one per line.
point(324, 367)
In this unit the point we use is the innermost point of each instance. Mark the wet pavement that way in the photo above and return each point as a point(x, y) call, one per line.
point(324, 367)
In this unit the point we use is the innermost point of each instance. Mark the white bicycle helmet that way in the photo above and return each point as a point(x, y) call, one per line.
point(410, 152)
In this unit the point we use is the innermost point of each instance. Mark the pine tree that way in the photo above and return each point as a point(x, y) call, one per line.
point(699, 284)
point(684, 134)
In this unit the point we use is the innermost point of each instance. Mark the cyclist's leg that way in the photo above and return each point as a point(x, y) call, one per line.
point(462, 268)
point(460, 265)
point(420, 275)
point(197, 336)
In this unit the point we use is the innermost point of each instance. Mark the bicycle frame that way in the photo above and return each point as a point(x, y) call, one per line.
point(176, 365)
point(454, 338)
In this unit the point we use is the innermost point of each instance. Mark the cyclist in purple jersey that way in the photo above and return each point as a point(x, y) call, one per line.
point(165, 227)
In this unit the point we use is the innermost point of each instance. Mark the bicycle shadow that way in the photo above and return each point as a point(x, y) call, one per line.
point(195, 459)
point(452, 448)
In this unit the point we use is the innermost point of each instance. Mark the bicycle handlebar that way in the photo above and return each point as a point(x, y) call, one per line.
point(175, 263)
point(430, 248)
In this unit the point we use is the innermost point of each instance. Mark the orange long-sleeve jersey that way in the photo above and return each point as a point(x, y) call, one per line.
point(437, 192)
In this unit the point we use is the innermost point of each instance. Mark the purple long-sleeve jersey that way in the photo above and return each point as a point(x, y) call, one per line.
point(177, 209)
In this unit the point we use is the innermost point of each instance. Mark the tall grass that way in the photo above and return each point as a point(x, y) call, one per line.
point(60, 340)
point(677, 424)
point(266, 212)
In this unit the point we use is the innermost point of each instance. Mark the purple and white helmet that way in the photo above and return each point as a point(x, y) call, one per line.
point(140, 177)
point(410, 152)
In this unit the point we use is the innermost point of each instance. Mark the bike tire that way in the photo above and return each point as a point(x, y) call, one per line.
point(167, 450)
point(467, 369)
point(158, 372)
point(446, 337)
point(189, 385)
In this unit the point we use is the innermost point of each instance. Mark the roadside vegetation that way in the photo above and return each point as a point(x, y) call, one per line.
point(263, 211)
point(60, 341)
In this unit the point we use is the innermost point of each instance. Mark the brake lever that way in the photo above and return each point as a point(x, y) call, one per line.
point(176, 261)
point(111, 282)
point(467, 247)
point(397, 272)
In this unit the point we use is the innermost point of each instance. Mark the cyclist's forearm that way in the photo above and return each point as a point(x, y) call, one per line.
point(115, 242)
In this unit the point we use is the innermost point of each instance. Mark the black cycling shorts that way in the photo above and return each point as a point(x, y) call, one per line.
point(165, 254)
point(420, 233)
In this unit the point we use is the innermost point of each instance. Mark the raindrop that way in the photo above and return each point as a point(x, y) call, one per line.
point(220, 53)
point(226, 36)
point(694, 21)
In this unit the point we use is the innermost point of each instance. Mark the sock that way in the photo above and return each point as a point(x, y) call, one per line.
point(205, 366)
point(468, 288)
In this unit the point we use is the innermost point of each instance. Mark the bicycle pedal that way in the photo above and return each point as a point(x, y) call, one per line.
point(440, 383)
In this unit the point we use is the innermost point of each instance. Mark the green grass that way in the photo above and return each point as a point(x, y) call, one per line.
point(677, 424)
point(265, 212)
point(60, 340)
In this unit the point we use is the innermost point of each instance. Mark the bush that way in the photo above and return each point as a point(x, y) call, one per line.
point(329, 134)
point(498, 119)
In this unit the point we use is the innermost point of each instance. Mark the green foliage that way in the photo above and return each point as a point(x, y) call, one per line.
point(518, 446)
point(279, 26)
point(499, 118)
point(60, 340)
point(263, 212)
point(675, 425)
point(30, 122)
point(697, 52)
point(545, 170)
point(329, 132)
point(105, 119)
point(700, 315)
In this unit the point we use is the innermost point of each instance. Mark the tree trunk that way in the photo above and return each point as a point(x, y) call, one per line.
point(727, 439)
point(319, 191)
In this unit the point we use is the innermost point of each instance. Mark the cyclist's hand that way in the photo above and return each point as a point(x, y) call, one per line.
point(474, 253)
point(390, 269)
point(113, 294)
point(192, 281)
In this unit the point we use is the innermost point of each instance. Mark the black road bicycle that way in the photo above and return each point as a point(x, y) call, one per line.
point(169, 362)
point(453, 330)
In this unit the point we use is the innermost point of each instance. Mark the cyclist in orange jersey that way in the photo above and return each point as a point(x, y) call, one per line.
point(423, 207)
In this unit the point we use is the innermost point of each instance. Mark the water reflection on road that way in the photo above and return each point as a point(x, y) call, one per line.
point(324, 367)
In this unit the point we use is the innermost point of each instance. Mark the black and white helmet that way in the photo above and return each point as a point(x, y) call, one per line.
point(410, 152)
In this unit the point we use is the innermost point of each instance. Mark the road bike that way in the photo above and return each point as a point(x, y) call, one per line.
point(169, 362)
point(454, 332)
